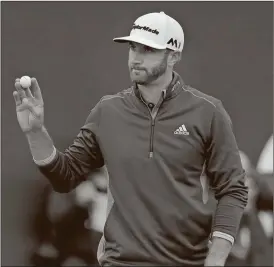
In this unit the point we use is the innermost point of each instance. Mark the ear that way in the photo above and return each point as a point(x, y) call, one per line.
point(174, 57)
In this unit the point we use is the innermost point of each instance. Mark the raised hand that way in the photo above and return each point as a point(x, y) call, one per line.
point(29, 106)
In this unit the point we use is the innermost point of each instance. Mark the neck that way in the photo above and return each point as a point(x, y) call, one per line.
point(153, 91)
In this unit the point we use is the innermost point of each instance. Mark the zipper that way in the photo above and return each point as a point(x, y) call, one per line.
point(153, 115)
point(151, 138)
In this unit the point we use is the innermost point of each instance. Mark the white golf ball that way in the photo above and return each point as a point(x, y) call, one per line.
point(25, 81)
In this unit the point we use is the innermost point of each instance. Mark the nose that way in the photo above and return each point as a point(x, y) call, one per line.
point(136, 58)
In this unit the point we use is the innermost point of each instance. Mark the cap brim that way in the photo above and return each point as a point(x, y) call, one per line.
point(139, 40)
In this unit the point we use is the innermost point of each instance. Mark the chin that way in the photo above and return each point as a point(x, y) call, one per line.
point(139, 80)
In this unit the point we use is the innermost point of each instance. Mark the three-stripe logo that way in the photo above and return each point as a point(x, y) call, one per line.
point(182, 130)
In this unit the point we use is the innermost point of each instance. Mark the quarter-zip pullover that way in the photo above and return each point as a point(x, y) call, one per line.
point(155, 159)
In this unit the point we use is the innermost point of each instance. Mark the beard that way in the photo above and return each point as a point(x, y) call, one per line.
point(145, 76)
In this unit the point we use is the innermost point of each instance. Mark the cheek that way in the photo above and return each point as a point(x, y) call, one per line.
point(151, 65)
point(154, 60)
point(129, 58)
point(130, 54)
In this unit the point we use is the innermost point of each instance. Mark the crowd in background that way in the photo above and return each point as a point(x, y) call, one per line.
point(254, 244)
point(67, 228)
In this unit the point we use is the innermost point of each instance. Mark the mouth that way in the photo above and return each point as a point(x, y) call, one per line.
point(136, 69)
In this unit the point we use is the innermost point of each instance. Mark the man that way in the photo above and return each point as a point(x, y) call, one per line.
point(156, 138)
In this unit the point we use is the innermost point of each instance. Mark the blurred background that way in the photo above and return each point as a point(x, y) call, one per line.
point(68, 47)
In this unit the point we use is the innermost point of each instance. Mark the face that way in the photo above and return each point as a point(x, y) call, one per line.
point(146, 64)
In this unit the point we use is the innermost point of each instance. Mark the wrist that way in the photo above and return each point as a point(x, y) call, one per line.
point(30, 134)
point(41, 146)
point(211, 261)
point(218, 252)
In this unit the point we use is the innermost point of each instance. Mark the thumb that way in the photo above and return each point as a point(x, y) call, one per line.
point(36, 89)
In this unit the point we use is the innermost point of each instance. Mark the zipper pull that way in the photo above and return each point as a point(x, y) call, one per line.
point(150, 155)
point(164, 94)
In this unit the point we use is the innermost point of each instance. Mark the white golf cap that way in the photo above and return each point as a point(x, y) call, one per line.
point(156, 30)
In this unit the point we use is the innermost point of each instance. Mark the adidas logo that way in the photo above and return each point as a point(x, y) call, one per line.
point(182, 130)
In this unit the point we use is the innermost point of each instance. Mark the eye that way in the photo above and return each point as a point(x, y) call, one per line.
point(149, 49)
point(131, 46)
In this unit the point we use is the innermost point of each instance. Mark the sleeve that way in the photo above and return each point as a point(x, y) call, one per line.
point(226, 174)
point(67, 170)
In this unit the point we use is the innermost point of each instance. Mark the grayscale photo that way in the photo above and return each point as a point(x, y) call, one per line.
point(137, 133)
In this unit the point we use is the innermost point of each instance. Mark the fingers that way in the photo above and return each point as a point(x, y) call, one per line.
point(25, 101)
point(17, 98)
point(36, 89)
point(28, 93)
point(20, 90)
point(27, 104)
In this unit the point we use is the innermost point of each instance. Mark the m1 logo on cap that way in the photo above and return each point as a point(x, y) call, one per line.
point(144, 28)
point(174, 42)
